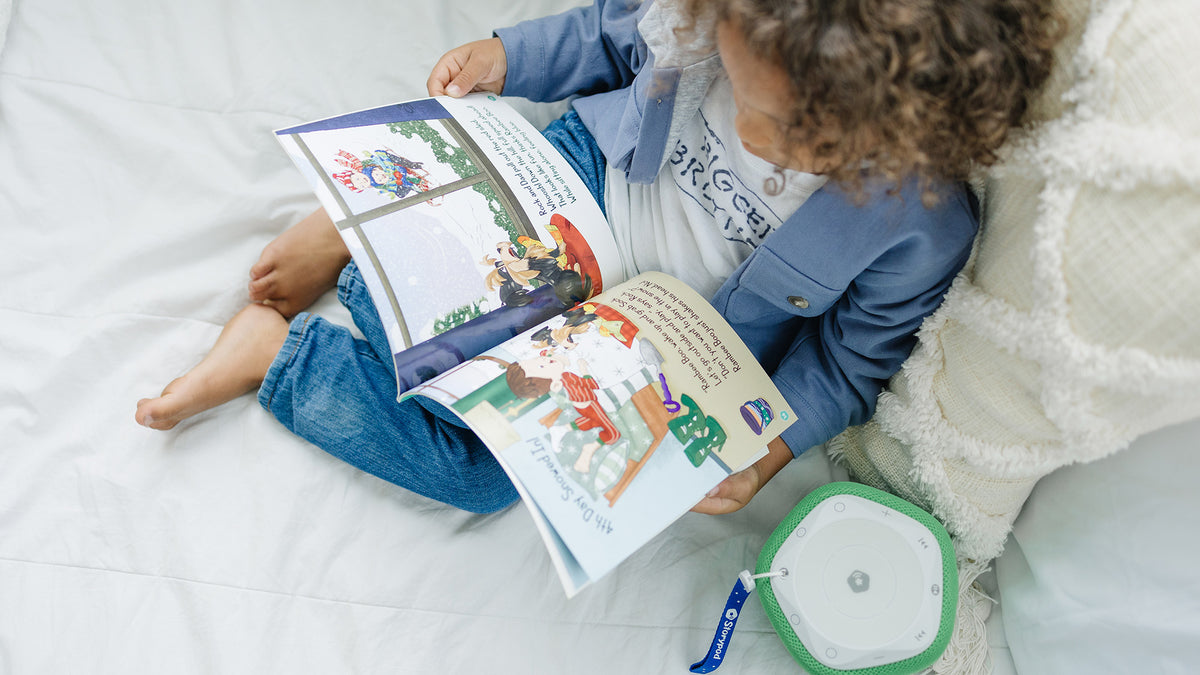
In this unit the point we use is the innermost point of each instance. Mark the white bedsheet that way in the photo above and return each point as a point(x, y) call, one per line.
point(140, 182)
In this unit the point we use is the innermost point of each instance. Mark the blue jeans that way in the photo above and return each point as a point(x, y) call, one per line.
point(339, 392)
point(574, 142)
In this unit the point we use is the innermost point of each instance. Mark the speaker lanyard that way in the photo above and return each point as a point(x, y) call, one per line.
point(742, 588)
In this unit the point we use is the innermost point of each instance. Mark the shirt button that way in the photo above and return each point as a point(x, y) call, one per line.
point(798, 302)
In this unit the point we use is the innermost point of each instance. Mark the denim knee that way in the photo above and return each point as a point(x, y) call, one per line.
point(332, 390)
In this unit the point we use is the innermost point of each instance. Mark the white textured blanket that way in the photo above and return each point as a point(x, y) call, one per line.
point(1077, 328)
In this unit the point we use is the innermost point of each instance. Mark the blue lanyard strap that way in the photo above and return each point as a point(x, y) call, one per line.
point(724, 634)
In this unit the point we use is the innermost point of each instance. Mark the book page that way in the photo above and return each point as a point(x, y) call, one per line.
point(617, 417)
point(454, 209)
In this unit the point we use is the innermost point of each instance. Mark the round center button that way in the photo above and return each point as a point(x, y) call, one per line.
point(798, 301)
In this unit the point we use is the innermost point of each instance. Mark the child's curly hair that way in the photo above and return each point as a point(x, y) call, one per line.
point(925, 88)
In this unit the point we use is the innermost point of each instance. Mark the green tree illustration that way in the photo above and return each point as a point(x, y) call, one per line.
point(457, 159)
point(459, 316)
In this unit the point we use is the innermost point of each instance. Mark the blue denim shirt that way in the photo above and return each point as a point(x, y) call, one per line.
point(830, 302)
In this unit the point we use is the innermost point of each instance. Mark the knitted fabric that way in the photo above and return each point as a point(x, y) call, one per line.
point(1076, 326)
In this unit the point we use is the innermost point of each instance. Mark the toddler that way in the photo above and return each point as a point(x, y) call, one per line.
point(799, 162)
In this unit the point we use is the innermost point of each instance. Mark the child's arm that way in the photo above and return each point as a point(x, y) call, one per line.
point(585, 50)
point(829, 351)
point(581, 51)
point(738, 489)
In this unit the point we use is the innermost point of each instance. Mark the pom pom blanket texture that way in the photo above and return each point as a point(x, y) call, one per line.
point(1075, 328)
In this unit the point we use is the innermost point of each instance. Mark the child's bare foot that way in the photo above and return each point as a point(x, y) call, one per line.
point(298, 266)
point(236, 365)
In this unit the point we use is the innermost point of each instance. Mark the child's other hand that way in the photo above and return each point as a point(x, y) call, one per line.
point(738, 489)
point(475, 66)
point(732, 493)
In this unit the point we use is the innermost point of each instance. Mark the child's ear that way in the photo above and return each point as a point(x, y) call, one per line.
point(556, 384)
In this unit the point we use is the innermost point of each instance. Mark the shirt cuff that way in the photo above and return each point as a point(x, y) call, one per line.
point(525, 56)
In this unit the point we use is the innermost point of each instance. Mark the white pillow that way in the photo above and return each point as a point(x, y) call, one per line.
point(1100, 574)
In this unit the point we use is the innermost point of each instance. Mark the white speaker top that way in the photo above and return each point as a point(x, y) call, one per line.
point(864, 584)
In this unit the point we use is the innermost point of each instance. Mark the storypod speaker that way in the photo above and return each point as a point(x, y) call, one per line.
point(856, 580)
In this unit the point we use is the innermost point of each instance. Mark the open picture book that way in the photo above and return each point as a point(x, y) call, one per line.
point(613, 404)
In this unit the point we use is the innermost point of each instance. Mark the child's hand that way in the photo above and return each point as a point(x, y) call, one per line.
point(738, 489)
point(475, 66)
point(732, 493)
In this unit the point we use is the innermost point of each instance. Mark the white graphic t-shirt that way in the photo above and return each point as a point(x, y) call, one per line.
point(708, 208)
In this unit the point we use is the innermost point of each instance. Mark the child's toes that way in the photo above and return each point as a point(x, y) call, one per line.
point(262, 288)
point(261, 269)
point(147, 412)
point(157, 413)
